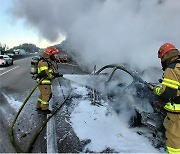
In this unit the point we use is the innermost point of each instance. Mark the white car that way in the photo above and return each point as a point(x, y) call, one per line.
point(6, 60)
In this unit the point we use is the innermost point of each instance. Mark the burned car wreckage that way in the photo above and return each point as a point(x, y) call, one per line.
point(121, 86)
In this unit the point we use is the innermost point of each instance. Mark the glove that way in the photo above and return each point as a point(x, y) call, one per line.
point(60, 75)
point(160, 80)
point(150, 86)
point(56, 75)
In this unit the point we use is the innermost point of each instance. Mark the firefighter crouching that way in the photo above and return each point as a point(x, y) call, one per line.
point(170, 93)
point(46, 70)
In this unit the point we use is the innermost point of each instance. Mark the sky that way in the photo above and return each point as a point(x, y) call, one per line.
point(99, 31)
point(14, 32)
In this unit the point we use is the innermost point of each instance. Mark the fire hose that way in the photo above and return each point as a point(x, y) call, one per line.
point(45, 122)
point(11, 133)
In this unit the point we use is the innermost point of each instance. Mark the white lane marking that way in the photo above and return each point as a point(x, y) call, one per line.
point(9, 70)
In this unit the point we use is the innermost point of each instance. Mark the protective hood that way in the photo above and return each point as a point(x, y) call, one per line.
point(169, 58)
point(170, 55)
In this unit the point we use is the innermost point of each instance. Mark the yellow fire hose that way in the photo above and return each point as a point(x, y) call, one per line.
point(17, 148)
point(44, 124)
point(16, 116)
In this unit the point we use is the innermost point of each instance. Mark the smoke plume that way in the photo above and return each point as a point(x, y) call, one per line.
point(106, 31)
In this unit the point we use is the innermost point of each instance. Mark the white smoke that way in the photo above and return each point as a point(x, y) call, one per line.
point(106, 31)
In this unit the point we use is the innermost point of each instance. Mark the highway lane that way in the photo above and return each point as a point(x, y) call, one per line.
point(5, 145)
point(16, 76)
point(15, 84)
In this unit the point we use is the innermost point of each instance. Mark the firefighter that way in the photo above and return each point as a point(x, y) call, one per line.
point(169, 91)
point(46, 70)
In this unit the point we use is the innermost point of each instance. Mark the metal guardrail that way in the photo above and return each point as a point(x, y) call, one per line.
point(16, 57)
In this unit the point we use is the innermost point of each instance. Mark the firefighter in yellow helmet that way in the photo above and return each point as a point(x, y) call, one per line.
point(46, 70)
point(170, 93)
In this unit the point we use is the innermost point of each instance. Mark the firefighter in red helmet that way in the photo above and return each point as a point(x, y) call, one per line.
point(46, 70)
point(170, 93)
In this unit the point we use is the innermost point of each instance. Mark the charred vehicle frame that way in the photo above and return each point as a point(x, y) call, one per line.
point(148, 108)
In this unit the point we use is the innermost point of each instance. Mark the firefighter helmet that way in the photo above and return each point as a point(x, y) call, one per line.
point(51, 51)
point(164, 49)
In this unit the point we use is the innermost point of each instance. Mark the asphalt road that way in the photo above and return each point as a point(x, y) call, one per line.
point(16, 78)
point(16, 83)
point(9, 85)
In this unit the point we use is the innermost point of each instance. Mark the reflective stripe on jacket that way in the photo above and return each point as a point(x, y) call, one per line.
point(43, 102)
point(172, 107)
point(171, 83)
point(45, 81)
point(169, 90)
point(45, 70)
point(173, 150)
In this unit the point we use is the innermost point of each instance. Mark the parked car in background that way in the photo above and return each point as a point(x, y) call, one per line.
point(6, 60)
point(10, 55)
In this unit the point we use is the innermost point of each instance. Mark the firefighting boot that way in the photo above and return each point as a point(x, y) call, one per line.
point(38, 105)
point(45, 109)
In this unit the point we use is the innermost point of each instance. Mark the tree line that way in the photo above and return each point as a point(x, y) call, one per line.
point(28, 47)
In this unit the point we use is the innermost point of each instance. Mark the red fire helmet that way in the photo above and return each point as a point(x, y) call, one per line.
point(51, 51)
point(164, 49)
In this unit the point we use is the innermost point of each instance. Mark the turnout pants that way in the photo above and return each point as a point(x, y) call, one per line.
point(44, 97)
point(172, 126)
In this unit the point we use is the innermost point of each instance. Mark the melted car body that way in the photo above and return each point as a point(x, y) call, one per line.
point(122, 85)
